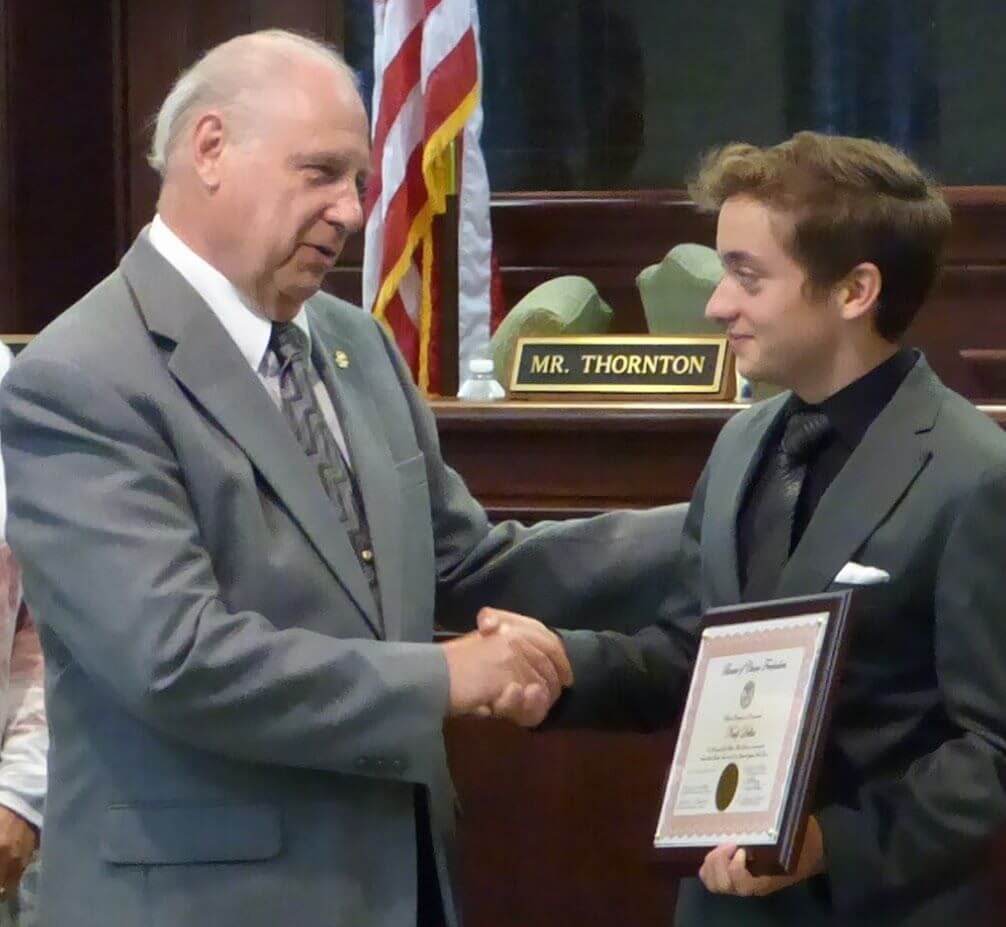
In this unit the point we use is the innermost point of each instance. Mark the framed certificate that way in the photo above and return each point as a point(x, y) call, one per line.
point(752, 732)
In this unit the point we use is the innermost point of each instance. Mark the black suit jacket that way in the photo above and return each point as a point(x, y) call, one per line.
point(914, 776)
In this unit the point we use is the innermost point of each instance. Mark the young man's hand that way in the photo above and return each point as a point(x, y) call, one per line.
point(725, 871)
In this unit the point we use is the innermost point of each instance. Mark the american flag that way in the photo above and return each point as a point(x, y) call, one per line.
point(427, 82)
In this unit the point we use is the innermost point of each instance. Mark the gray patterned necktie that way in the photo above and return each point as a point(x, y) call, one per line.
point(297, 380)
point(805, 432)
point(303, 412)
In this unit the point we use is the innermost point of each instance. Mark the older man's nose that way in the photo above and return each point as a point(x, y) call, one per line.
point(346, 210)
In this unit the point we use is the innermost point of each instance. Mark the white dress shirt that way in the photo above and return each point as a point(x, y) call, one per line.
point(249, 330)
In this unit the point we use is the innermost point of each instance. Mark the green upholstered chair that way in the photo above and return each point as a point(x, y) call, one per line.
point(675, 292)
point(561, 306)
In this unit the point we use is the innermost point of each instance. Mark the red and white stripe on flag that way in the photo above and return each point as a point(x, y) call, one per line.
point(427, 80)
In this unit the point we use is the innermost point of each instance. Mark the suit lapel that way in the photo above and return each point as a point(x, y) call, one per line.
point(880, 471)
point(209, 365)
point(736, 463)
point(371, 460)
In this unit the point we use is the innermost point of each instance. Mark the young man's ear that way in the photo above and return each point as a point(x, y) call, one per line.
point(859, 292)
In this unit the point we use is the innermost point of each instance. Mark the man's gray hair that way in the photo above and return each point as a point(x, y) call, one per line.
point(226, 75)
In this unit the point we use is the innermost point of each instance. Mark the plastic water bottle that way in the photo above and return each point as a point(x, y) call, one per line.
point(745, 389)
point(480, 385)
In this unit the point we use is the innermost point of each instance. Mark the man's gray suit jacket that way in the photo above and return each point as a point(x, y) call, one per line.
point(914, 776)
point(237, 735)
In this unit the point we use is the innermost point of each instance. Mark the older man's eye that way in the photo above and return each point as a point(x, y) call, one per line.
point(318, 173)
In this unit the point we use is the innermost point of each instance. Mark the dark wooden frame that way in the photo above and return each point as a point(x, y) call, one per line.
point(780, 858)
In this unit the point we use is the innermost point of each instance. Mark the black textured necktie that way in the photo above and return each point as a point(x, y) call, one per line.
point(777, 499)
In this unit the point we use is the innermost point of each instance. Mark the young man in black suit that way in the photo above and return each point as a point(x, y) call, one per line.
point(830, 246)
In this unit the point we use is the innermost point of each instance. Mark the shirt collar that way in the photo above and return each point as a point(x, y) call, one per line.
point(249, 330)
point(852, 410)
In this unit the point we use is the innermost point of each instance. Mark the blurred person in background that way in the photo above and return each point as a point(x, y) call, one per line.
point(25, 735)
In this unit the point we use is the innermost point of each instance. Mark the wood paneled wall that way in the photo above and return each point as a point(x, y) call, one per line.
point(6, 223)
point(79, 86)
point(57, 158)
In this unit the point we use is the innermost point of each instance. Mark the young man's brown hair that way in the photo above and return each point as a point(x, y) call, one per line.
point(852, 201)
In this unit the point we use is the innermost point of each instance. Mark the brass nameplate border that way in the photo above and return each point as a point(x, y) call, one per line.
point(641, 365)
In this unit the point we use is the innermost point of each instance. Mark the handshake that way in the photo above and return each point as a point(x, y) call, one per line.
point(512, 667)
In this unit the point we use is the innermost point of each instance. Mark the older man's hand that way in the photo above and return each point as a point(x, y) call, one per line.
point(18, 840)
point(725, 871)
point(541, 647)
point(511, 666)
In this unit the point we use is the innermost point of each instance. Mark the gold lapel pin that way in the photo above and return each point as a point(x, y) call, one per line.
point(341, 360)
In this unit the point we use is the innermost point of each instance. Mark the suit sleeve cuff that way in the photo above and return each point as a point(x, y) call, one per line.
point(852, 857)
point(581, 704)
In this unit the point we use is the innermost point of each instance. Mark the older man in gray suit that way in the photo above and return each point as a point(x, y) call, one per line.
point(235, 523)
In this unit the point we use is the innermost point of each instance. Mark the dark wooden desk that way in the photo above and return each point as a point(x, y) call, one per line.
point(540, 460)
point(556, 828)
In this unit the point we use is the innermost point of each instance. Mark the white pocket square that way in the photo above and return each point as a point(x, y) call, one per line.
point(856, 574)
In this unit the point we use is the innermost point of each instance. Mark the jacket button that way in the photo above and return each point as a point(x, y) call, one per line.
point(367, 555)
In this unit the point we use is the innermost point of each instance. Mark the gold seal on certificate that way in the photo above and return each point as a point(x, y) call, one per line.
point(752, 730)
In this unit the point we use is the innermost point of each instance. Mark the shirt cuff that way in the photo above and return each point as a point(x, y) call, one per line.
point(21, 808)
